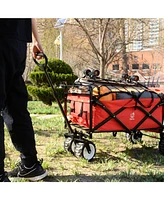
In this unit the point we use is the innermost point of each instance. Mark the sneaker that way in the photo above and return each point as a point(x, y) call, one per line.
point(4, 177)
point(33, 173)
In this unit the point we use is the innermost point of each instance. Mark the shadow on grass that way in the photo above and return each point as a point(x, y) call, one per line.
point(143, 155)
point(44, 133)
point(48, 133)
point(149, 155)
point(105, 157)
point(122, 177)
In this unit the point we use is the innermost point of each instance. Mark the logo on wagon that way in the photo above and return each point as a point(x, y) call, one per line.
point(132, 116)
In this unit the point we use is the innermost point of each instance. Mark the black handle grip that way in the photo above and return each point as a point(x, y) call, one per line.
point(45, 58)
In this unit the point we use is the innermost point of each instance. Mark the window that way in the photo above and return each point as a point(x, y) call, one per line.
point(156, 66)
point(145, 66)
point(116, 67)
point(137, 45)
point(135, 66)
point(135, 57)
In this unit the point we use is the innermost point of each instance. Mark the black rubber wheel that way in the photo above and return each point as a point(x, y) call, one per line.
point(69, 145)
point(114, 134)
point(87, 150)
point(161, 146)
point(78, 149)
point(134, 137)
point(139, 136)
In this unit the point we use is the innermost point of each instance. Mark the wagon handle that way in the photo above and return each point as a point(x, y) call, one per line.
point(44, 65)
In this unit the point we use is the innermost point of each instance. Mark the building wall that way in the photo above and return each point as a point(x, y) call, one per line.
point(149, 62)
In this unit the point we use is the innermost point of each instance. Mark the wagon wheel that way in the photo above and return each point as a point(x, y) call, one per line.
point(130, 137)
point(138, 136)
point(69, 144)
point(161, 146)
point(134, 137)
point(87, 150)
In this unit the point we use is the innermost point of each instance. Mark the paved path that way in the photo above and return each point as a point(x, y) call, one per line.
point(43, 116)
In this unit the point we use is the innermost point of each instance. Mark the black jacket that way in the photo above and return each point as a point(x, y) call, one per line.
point(20, 29)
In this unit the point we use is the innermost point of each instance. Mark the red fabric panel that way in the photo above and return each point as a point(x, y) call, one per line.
point(130, 117)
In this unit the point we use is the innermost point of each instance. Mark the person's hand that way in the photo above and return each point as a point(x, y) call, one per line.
point(37, 48)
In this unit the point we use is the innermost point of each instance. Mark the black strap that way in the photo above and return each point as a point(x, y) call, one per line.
point(138, 97)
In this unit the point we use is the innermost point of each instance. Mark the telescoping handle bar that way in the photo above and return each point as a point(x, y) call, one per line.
point(44, 67)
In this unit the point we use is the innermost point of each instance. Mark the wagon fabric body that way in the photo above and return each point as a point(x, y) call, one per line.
point(113, 107)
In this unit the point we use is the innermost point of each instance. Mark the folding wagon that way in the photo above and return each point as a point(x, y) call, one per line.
point(100, 105)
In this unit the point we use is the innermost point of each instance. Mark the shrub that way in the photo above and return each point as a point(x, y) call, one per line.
point(60, 73)
point(44, 94)
point(39, 78)
point(56, 66)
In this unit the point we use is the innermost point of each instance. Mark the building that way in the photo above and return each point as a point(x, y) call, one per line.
point(145, 53)
point(145, 62)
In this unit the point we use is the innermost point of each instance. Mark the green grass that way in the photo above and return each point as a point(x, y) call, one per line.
point(37, 107)
point(116, 159)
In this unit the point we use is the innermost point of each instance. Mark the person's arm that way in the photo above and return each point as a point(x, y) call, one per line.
point(36, 46)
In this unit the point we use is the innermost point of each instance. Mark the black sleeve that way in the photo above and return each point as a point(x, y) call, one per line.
point(20, 29)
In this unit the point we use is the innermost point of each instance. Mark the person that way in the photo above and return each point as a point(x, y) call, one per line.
point(14, 36)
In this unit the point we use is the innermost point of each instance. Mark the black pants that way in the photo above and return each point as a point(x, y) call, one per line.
point(13, 101)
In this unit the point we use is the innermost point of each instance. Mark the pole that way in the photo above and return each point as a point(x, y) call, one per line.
point(61, 44)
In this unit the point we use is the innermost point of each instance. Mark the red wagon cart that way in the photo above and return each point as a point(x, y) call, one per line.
point(100, 105)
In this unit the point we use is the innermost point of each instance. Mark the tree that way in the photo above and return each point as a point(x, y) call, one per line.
point(95, 43)
point(103, 38)
point(110, 39)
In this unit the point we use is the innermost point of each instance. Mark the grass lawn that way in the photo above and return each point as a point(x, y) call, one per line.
point(116, 159)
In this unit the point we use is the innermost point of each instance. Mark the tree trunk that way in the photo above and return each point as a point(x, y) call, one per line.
point(124, 55)
point(124, 61)
point(102, 68)
point(101, 49)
